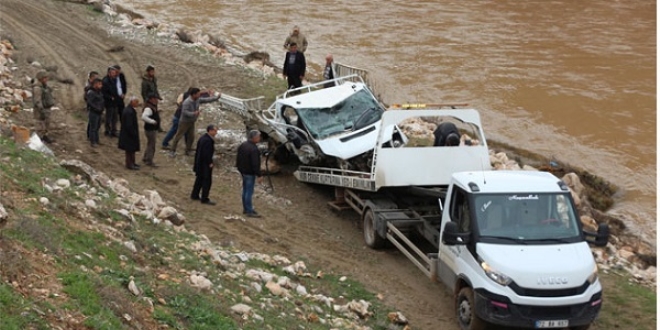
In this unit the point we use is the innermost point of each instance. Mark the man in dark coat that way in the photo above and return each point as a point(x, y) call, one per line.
point(447, 135)
point(294, 66)
point(204, 166)
point(94, 98)
point(248, 163)
point(113, 102)
point(123, 87)
point(129, 137)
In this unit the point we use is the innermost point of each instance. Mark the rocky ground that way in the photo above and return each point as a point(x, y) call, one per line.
point(69, 40)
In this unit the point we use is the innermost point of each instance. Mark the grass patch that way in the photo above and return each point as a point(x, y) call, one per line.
point(188, 309)
point(626, 305)
point(16, 312)
point(81, 288)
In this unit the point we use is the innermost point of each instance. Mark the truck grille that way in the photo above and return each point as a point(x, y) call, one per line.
point(527, 292)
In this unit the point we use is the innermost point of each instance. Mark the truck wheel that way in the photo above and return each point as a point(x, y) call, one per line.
point(371, 237)
point(467, 318)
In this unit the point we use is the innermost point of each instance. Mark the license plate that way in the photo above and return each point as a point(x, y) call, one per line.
point(551, 324)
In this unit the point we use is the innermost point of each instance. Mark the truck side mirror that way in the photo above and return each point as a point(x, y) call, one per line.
point(603, 235)
point(600, 237)
point(451, 236)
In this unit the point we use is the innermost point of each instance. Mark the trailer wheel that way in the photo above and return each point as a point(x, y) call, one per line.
point(371, 237)
point(467, 318)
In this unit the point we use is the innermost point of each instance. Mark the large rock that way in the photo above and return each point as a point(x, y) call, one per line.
point(275, 289)
point(200, 282)
point(170, 213)
point(588, 223)
point(3, 213)
point(88, 172)
point(572, 180)
point(241, 309)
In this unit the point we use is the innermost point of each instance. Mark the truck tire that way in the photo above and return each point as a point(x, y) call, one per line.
point(371, 236)
point(467, 318)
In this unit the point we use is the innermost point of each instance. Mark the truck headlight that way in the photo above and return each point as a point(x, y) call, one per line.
point(494, 275)
point(594, 275)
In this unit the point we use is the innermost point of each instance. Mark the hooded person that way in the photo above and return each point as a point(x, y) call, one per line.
point(446, 134)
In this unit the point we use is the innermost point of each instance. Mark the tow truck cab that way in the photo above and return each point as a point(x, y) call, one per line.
point(514, 252)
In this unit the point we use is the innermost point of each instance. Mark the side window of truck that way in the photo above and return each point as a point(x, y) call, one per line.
point(460, 210)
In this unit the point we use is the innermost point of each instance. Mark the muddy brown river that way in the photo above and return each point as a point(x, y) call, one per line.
point(571, 79)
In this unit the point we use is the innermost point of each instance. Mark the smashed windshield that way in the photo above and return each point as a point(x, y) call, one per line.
point(355, 112)
point(526, 218)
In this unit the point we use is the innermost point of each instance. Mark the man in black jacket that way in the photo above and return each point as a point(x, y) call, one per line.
point(129, 137)
point(446, 135)
point(113, 102)
point(294, 66)
point(94, 98)
point(248, 163)
point(204, 165)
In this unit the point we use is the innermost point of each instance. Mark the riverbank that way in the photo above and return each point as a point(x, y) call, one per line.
point(303, 227)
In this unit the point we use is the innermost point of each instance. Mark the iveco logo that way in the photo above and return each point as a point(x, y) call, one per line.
point(552, 280)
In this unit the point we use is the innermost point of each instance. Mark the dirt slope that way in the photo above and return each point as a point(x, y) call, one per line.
point(69, 36)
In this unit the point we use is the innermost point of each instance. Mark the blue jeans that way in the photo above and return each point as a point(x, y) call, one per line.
point(248, 191)
point(170, 134)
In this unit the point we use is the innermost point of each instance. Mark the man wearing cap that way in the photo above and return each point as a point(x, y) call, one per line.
point(149, 84)
point(248, 163)
point(296, 38)
point(42, 99)
point(129, 136)
point(203, 166)
point(294, 66)
point(151, 118)
point(189, 114)
point(113, 102)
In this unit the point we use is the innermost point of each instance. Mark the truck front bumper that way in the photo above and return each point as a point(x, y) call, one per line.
point(497, 309)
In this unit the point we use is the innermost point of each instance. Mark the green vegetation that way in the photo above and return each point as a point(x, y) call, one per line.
point(626, 305)
point(88, 268)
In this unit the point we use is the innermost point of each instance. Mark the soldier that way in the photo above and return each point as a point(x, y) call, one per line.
point(42, 98)
point(296, 38)
point(150, 84)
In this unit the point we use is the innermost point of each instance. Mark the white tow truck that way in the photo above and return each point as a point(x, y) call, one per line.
point(508, 244)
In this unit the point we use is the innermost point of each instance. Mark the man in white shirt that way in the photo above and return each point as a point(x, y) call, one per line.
point(151, 118)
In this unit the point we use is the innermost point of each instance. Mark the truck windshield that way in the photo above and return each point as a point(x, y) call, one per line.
point(526, 218)
point(355, 112)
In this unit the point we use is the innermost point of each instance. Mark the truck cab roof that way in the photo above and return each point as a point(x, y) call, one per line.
point(322, 98)
point(509, 182)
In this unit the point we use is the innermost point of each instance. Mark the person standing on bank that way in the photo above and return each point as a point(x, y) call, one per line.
point(189, 114)
point(112, 102)
point(203, 166)
point(122, 88)
point(94, 98)
point(42, 100)
point(175, 120)
point(150, 84)
point(248, 163)
point(129, 137)
point(329, 71)
point(296, 38)
point(294, 66)
point(89, 85)
point(151, 118)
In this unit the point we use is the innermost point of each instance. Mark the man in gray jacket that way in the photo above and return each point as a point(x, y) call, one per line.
point(189, 114)
point(95, 103)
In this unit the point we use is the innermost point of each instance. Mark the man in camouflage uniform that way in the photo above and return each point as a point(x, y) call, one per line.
point(42, 99)
point(296, 38)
